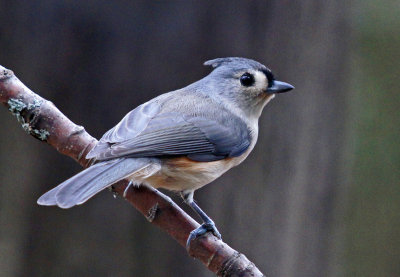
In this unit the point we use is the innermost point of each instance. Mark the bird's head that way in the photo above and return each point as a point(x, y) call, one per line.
point(246, 83)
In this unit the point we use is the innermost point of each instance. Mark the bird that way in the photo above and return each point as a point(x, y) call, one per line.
point(181, 140)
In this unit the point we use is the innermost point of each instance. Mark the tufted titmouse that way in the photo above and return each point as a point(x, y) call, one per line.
point(180, 140)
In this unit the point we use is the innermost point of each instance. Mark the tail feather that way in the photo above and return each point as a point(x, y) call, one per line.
point(49, 198)
point(81, 187)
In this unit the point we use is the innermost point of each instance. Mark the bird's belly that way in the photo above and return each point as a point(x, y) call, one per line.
point(184, 174)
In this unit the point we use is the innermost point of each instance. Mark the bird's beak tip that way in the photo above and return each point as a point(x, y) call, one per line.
point(279, 87)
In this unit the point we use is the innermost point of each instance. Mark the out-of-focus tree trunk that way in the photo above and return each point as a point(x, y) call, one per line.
point(278, 207)
point(373, 214)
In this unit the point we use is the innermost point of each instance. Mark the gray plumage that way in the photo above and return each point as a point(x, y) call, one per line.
point(90, 181)
point(172, 134)
point(214, 119)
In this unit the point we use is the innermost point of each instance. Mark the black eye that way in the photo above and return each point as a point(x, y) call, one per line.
point(247, 79)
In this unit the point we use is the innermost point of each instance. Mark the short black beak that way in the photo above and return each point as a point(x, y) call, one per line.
point(279, 87)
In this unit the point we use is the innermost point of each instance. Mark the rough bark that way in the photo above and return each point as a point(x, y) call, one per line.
point(41, 119)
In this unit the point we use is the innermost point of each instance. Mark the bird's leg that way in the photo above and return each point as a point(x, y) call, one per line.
point(208, 224)
point(127, 188)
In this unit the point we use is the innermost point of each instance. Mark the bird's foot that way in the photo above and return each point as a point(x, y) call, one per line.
point(201, 230)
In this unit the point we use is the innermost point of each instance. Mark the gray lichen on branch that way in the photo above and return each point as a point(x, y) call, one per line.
point(17, 108)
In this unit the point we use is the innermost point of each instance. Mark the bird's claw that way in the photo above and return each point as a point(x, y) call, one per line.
point(201, 230)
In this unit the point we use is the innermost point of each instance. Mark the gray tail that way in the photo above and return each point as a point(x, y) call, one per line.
point(79, 188)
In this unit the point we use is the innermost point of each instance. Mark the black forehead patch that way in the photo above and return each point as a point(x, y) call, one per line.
point(269, 75)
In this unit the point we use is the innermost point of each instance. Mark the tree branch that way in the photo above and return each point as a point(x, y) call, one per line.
point(41, 119)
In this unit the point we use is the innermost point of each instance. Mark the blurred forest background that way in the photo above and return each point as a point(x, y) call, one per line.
point(319, 195)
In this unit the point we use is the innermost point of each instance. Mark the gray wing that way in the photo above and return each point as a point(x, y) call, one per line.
point(128, 128)
point(145, 132)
